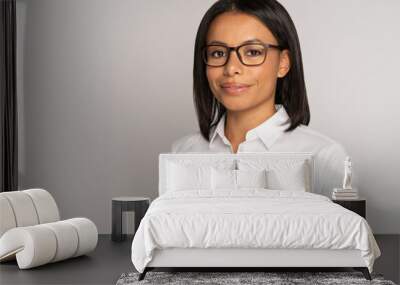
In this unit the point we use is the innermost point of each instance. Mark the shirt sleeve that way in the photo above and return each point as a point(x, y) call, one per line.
point(180, 144)
point(329, 169)
point(175, 146)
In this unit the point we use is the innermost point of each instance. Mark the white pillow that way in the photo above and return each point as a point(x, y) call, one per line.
point(185, 177)
point(293, 178)
point(223, 179)
point(251, 178)
point(237, 179)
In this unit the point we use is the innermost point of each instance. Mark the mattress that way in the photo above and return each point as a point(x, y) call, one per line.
point(253, 218)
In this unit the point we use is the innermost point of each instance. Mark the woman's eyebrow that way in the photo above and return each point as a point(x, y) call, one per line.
point(245, 42)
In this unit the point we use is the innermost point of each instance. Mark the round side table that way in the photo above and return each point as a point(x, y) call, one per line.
point(125, 204)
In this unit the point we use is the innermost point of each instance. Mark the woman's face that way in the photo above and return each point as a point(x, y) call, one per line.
point(234, 28)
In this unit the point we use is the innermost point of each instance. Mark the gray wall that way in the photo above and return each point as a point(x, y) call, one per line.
point(105, 86)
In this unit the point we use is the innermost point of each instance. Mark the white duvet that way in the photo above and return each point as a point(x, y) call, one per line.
point(250, 218)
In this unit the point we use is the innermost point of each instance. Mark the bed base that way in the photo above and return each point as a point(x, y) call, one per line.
point(142, 275)
point(250, 259)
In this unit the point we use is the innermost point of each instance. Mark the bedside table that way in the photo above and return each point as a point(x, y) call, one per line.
point(125, 204)
point(358, 206)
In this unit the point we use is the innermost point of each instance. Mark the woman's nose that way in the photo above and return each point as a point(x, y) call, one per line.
point(233, 65)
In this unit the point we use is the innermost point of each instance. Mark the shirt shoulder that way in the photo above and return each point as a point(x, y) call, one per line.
point(325, 148)
point(193, 142)
point(315, 135)
point(316, 140)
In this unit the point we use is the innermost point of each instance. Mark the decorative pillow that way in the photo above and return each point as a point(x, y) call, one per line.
point(223, 178)
point(236, 179)
point(251, 178)
point(293, 178)
point(183, 177)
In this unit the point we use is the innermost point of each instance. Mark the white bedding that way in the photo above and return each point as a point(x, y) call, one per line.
point(250, 218)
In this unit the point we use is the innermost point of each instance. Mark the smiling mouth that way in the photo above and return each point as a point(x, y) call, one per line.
point(235, 89)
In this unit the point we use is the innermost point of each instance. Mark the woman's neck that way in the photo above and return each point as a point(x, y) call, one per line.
point(237, 124)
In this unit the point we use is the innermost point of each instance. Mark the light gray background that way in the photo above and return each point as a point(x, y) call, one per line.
point(105, 86)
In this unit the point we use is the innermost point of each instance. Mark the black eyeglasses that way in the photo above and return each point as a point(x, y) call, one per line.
point(250, 54)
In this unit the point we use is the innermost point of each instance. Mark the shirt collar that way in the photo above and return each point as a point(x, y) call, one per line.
point(219, 130)
point(268, 131)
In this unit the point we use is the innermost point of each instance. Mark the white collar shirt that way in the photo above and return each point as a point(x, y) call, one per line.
point(258, 139)
point(270, 136)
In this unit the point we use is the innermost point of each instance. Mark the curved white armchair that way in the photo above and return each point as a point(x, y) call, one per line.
point(31, 230)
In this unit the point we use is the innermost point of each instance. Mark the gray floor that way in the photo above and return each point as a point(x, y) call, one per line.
point(110, 259)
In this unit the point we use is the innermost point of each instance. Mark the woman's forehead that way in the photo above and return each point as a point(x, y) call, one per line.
point(234, 28)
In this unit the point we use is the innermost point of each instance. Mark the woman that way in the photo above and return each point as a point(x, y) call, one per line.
point(249, 89)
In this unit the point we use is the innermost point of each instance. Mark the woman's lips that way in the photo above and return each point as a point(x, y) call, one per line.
point(235, 89)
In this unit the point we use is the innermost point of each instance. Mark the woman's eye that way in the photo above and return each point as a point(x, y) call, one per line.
point(254, 52)
point(217, 53)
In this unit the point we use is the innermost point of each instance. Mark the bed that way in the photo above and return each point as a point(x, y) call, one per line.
point(247, 210)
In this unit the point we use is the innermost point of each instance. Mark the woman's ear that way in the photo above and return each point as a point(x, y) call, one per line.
point(284, 63)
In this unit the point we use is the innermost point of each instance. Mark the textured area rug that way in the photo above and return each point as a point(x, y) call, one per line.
point(273, 278)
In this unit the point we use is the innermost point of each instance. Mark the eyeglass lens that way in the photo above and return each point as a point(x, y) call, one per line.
point(252, 54)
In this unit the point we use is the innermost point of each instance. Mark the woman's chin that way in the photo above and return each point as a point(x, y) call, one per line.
point(236, 106)
point(239, 103)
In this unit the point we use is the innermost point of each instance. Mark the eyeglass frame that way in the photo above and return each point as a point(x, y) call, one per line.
point(236, 49)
